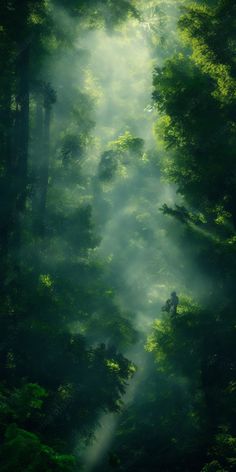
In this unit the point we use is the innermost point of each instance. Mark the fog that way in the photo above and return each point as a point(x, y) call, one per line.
point(143, 248)
point(145, 252)
point(117, 240)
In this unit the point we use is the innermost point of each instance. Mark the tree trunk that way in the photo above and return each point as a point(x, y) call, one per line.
point(45, 163)
point(49, 99)
point(38, 150)
point(22, 127)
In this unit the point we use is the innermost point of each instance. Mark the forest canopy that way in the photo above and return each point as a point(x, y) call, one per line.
point(117, 235)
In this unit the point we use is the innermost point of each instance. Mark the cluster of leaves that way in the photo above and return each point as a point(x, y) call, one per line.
point(193, 91)
point(183, 416)
point(119, 155)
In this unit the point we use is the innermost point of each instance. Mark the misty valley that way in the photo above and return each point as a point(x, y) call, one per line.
point(118, 236)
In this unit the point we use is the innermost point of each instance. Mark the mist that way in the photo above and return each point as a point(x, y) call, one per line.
point(145, 255)
point(117, 236)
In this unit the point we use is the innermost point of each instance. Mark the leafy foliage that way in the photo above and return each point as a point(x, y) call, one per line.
point(65, 334)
